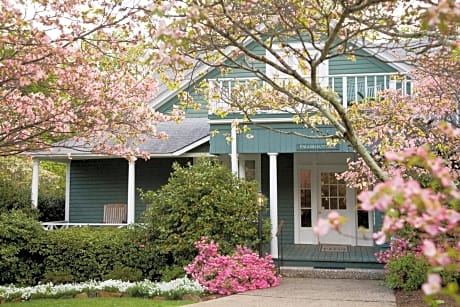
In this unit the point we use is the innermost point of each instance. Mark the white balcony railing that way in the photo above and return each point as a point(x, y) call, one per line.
point(349, 87)
point(64, 225)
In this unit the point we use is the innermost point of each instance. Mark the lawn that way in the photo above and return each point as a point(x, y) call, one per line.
point(98, 302)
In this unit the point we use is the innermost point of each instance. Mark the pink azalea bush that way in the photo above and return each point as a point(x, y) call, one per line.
point(398, 247)
point(237, 273)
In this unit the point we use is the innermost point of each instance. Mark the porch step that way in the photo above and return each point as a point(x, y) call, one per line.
point(303, 272)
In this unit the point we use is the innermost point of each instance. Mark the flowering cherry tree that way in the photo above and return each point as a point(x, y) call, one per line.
point(76, 69)
point(409, 182)
point(224, 34)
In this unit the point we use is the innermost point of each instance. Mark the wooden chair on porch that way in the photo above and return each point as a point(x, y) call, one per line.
point(115, 214)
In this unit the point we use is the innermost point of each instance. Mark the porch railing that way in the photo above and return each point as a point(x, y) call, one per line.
point(349, 87)
point(64, 225)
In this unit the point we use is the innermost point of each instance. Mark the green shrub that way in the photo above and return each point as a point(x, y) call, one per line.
point(20, 241)
point(205, 199)
point(124, 273)
point(14, 197)
point(406, 272)
point(58, 277)
point(94, 253)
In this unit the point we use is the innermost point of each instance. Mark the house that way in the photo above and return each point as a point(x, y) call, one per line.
point(296, 174)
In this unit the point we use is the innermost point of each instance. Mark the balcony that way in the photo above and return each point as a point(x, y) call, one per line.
point(349, 87)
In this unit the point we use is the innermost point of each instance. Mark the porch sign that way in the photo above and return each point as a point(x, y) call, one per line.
point(317, 147)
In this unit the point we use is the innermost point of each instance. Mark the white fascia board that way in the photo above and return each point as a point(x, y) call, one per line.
point(191, 146)
point(387, 57)
point(257, 120)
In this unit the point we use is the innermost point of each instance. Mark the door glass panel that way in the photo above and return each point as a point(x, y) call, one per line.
point(333, 203)
point(305, 198)
point(333, 192)
point(362, 215)
point(342, 204)
point(363, 219)
point(250, 169)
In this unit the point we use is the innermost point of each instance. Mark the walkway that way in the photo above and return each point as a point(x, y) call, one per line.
point(312, 292)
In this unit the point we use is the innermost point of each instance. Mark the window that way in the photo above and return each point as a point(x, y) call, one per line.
point(305, 198)
point(333, 192)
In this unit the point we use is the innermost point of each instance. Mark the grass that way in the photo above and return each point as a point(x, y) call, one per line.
point(98, 302)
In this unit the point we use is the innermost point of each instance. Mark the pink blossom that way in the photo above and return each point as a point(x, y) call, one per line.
point(433, 284)
point(334, 219)
point(379, 237)
point(322, 227)
point(429, 249)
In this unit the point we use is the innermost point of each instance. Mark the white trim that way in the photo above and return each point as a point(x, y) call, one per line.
point(67, 191)
point(191, 146)
point(274, 203)
point(131, 190)
point(255, 120)
point(35, 180)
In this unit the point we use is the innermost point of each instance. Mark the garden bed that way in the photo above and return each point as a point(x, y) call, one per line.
point(416, 299)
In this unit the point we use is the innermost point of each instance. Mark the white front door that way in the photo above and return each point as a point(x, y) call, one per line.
point(335, 196)
point(318, 192)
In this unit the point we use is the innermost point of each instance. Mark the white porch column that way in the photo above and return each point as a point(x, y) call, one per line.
point(234, 151)
point(67, 192)
point(274, 202)
point(131, 189)
point(35, 170)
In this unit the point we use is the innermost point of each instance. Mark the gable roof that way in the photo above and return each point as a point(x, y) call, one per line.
point(182, 137)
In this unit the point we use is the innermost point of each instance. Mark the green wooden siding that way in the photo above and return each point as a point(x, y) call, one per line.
point(285, 165)
point(265, 140)
point(95, 183)
point(362, 65)
point(151, 175)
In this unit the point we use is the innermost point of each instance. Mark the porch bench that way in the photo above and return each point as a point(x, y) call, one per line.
point(115, 214)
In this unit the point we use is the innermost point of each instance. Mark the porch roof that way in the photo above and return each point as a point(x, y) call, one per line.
point(184, 137)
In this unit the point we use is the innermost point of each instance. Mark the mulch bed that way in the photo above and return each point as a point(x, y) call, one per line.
point(415, 299)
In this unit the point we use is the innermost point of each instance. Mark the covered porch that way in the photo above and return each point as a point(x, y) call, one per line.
point(103, 189)
point(314, 256)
